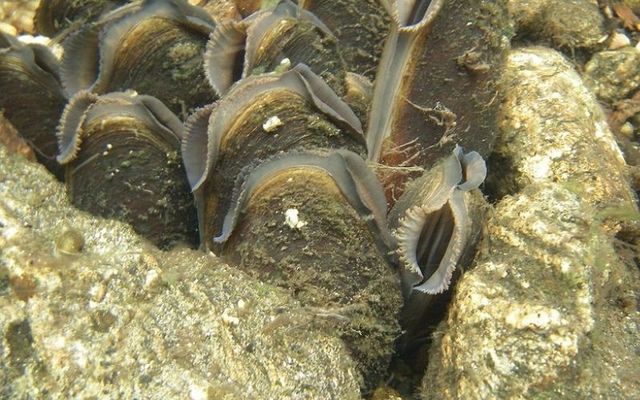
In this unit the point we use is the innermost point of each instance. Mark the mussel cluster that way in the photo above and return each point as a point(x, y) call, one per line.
point(317, 145)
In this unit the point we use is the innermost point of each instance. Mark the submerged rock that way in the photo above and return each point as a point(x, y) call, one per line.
point(548, 311)
point(568, 24)
point(88, 309)
point(553, 130)
point(550, 308)
point(614, 75)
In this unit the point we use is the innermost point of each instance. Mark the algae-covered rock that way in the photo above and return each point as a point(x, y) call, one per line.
point(614, 74)
point(553, 130)
point(90, 310)
point(566, 24)
point(548, 311)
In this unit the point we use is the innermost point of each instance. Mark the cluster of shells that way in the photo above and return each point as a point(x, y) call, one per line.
point(319, 145)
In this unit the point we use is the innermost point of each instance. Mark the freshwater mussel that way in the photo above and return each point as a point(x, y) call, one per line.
point(122, 157)
point(32, 91)
point(154, 47)
point(320, 140)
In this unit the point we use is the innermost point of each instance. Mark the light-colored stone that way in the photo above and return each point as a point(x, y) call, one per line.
point(565, 333)
point(563, 23)
point(549, 309)
point(553, 130)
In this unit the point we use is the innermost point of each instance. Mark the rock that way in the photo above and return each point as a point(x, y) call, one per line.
point(549, 308)
point(88, 309)
point(553, 130)
point(564, 23)
point(615, 74)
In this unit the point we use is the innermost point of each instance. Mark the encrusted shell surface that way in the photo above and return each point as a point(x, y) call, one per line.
point(121, 153)
point(312, 224)
point(360, 27)
point(54, 16)
point(259, 118)
point(32, 97)
point(437, 54)
point(272, 40)
point(154, 47)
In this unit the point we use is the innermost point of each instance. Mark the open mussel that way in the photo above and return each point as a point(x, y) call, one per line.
point(270, 40)
point(121, 153)
point(315, 224)
point(32, 96)
point(258, 118)
point(154, 47)
point(437, 223)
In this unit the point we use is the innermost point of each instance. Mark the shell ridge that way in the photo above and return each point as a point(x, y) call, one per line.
point(256, 30)
point(249, 178)
point(195, 147)
point(167, 121)
point(326, 100)
point(220, 119)
point(333, 164)
point(70, 129)
point(225, 43)
point(80, 49)
point(45, 60)
point(370, 193)
point(388, 81)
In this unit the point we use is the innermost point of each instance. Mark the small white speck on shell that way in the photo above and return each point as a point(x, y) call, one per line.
point(292, 219)
point(272, 123)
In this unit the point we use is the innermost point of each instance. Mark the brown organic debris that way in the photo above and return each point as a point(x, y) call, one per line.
point(627, 16)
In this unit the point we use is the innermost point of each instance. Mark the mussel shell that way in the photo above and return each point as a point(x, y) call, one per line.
point(437, 84)
point(159, 59)
point(234, 135)
point(274, 40)
point(154, 48)
point(54, 16)
point(465, 86)
point(300, 41)
point(32, 96)
point(359, 26)
point(437, 223)
point(298, 230)
point(127, 165)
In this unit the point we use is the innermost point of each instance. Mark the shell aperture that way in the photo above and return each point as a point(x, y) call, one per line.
point(433, 223)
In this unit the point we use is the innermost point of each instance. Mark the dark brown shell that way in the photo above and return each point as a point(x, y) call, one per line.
point(234, 134)
point(121, 153)
point(54, 16)
point(360, 27)
point(32, 96)
point(306, 227)
point(436, 85)
point(154, 48)
point(275, 40)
